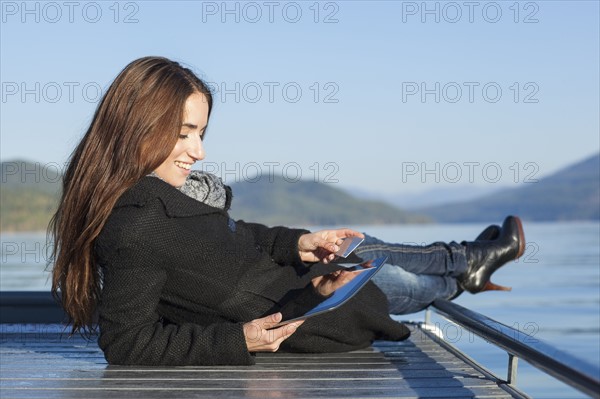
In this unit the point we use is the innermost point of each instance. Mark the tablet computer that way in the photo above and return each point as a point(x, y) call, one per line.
point(344, 293)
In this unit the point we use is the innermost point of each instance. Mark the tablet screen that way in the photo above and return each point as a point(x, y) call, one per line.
point(342, 294)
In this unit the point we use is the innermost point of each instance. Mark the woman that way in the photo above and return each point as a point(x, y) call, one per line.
point(174, 280)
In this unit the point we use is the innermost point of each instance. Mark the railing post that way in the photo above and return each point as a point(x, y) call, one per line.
point(513, 363)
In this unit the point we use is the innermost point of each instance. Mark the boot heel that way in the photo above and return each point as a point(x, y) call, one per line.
point(489, 286)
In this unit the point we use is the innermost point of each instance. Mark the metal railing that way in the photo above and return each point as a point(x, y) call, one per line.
point(560, 365)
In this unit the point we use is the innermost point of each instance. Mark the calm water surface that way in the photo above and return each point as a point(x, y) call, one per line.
point(555, 296)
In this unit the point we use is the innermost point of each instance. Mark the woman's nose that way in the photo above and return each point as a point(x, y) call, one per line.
point(196, 149)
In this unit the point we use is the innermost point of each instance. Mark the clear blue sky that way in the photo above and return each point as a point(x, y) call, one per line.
point(387, 92)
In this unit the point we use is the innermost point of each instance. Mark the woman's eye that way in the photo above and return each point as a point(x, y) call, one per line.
point(183, 136)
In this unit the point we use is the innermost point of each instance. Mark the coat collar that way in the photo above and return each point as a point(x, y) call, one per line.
point(176, 203)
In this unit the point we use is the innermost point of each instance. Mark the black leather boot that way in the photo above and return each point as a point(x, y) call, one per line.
point(486, 256)
point(489, 233)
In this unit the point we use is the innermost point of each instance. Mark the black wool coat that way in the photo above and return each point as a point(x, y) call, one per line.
point(180, 278)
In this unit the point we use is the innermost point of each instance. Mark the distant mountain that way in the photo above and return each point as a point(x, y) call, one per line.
point(30, 191)
point(428, 198)
point(572, 193)
point(304, 203)
point(20, 174)
point(28, 195)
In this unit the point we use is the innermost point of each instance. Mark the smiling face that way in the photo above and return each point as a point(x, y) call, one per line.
point(189, 148)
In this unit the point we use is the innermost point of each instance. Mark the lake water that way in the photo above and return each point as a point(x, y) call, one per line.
point(555, 296)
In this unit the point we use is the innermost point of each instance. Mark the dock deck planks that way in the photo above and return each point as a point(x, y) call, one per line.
point(37, 361)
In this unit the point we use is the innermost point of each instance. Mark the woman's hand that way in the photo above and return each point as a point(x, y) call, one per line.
point(261, 337)
point(321, 245)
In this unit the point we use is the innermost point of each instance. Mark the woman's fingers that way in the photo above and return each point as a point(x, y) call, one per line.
point(323, 244)
point(262, 337)
point(270, 320)
point(344, 233)
point(327, 245)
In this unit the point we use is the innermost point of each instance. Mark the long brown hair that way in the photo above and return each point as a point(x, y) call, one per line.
point(134, 129)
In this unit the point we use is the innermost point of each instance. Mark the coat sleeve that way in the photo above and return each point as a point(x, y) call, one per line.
point(131, 329)
point(280, 242)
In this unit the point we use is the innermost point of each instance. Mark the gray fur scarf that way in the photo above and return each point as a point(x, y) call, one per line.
point(206, 188)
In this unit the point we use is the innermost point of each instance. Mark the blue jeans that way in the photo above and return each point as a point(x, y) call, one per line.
point(415, 276)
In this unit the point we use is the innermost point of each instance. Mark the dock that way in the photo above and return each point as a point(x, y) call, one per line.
point(39, 359)
point(42, 361)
